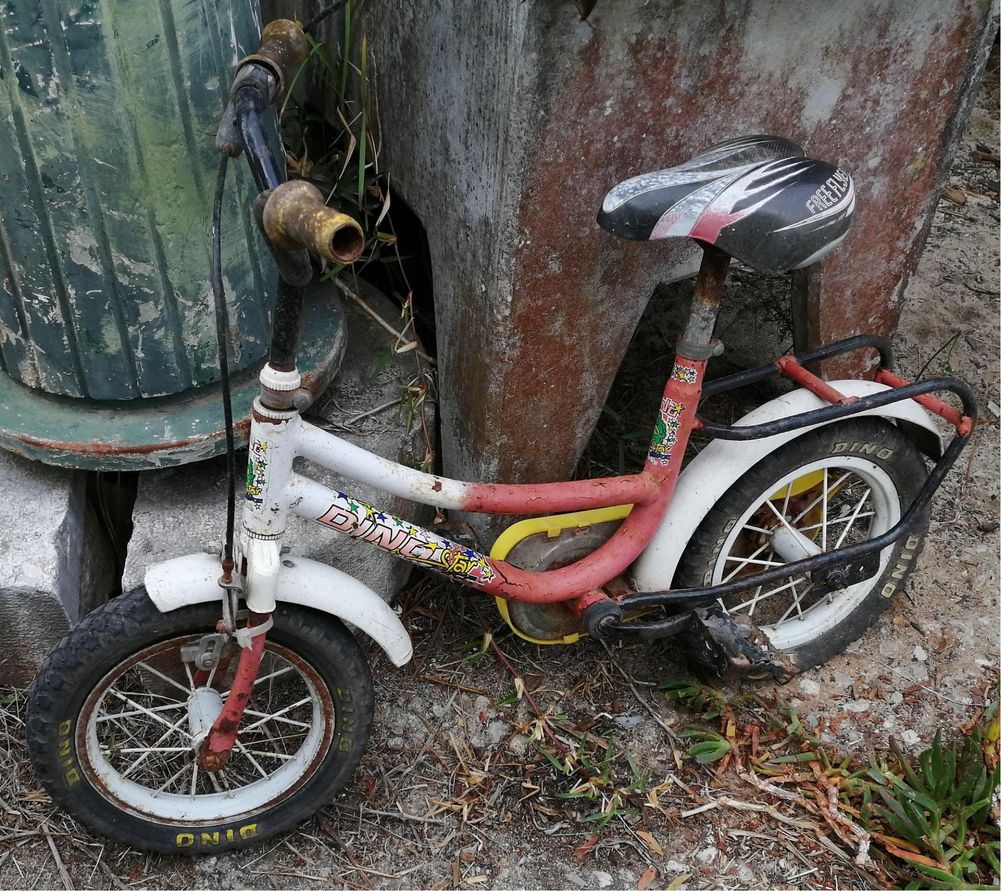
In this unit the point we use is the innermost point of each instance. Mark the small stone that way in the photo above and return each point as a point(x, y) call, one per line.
point(745, 875)
point(888, 647)
point(675, 866)
point(707, 855)
point(809, 687)
point(920, 671)
point(910, 738)
point(919, 654)
point(396, 743)
point(576, 880)
point(842, 681)
point(896, 697)
point(604, 879)
point(480, 706)
point(858, 706)
point(495, 731)
point(518, 744)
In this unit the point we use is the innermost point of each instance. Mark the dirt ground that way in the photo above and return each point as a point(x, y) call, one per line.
point(453, 792)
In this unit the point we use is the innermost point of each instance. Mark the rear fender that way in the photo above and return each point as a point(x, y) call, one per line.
point(194, 578)
point(720, 464)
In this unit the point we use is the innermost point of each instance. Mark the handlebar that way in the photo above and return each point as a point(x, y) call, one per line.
point(296, 217)
point(283, 49)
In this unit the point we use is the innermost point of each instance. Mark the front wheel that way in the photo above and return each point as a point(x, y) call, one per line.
point(835, 486)
point(113, 726)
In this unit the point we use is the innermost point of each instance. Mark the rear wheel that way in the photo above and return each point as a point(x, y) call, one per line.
point(117, 714)
point(833, 487)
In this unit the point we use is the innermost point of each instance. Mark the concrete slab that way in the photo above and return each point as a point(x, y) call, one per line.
point(56, 562)
point(178, 510)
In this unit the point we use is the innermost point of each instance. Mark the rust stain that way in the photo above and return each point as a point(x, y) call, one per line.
point(242, 428)
point(578, 291)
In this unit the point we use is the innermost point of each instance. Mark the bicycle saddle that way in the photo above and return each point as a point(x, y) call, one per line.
point(756, 197)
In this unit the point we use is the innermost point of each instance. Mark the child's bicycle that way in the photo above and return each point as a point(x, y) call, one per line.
point(226, 700)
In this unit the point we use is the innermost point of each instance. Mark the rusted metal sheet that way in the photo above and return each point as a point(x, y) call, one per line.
point(507, 124)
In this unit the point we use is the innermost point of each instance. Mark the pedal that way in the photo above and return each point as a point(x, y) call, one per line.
point(732, 650)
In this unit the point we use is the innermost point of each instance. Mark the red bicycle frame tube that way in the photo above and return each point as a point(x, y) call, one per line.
point(221, 738)
point(663, 465)
point(541, 498)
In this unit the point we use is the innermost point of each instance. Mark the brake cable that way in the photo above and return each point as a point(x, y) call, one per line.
point(322, 14)
point(222, 332)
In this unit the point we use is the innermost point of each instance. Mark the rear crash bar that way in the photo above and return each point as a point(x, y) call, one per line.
point(851, 559)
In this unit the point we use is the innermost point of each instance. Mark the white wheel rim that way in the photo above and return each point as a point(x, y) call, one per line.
point(154, 773)
point(872, 497)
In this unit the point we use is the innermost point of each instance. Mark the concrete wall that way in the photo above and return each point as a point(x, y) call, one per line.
point(504, 124)
point(56, 562)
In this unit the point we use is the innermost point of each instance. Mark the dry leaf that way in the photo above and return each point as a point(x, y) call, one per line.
point(679, 881)
point(585, 848)
point(649, 874)
point(956, 196)
point(651, 842)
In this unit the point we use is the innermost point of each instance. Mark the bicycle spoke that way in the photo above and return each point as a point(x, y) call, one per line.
point(823, 517)
point(185, 690)
point(152, 749)
point(764, 596)
point(763, 547)
point(143, 757)
point(279, 755)
point(747, 561)
point(796, 604)
point(251, 759)
point(274, 717)
point(150, 714)
point(114, 716)
point(166, 785)
point(844, 519)
point(830, 493)
point(287, 708)
point(853, 518)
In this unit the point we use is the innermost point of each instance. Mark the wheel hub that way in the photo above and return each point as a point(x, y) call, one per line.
point(204, 706)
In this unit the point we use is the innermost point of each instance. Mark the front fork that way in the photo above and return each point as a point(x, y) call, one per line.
point(273, 438)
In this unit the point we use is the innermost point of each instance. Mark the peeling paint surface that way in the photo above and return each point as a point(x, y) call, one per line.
point(165, 431)
point(108, 113)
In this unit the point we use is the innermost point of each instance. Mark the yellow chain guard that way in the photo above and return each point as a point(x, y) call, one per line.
point(552, 526)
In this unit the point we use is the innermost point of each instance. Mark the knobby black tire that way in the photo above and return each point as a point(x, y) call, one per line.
point(130, 623)
point(882, 443)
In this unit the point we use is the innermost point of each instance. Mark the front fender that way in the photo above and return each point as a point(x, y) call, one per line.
point(720, 464)
point(195, 579)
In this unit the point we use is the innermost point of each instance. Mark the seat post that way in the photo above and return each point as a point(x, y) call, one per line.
point(697, 342)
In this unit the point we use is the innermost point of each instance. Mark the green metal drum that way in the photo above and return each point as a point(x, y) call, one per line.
point(108, 112)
